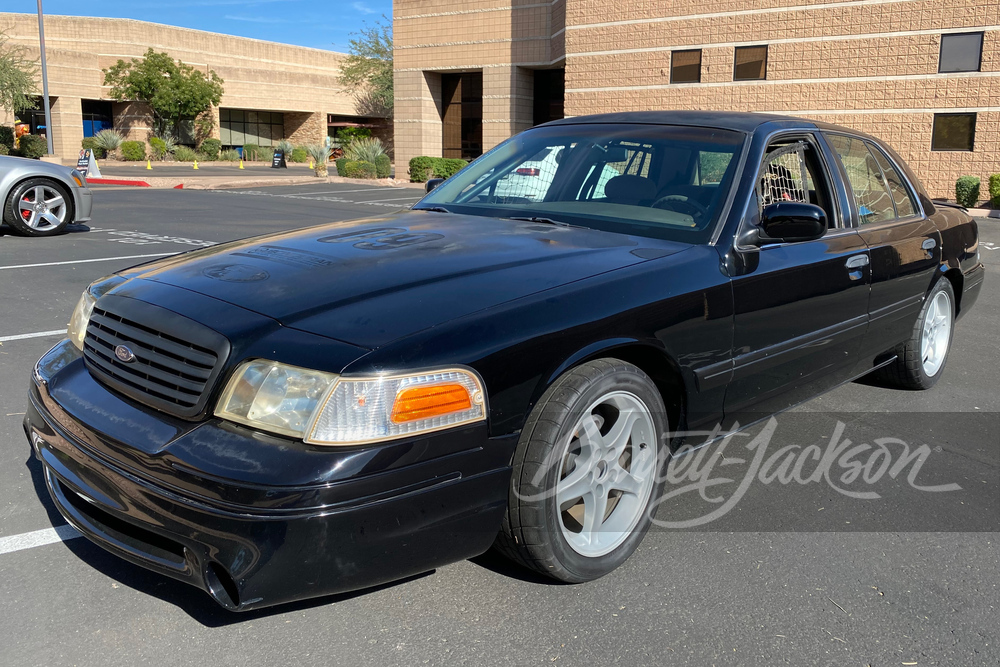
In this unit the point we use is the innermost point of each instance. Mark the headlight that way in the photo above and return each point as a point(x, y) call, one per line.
point(77, 328)
point(79, 178)
point(326, 409)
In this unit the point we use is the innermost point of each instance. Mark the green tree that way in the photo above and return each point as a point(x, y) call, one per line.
point(174, 91)
point(367, 71)
point(17, 77)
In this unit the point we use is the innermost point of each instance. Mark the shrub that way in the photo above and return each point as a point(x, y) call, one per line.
point(4, 150)
point(6, 137)
point(133, 151)
point(383, 166)
point(321, 154)
point(364, 149)
point(230, 155)
point(299, 154)
point(158, 146)
point(995, 191)
point(91, 144)
point(265, 153)
point(420, 168)
point(347, 135)
point(251, 152)
point(108, 141)
point(185, 154)
point(340, 162)
point(446, 168)
point(284, 147)
point(211, 148)
point(967, 191)
point(32, 146)
point(359, 169)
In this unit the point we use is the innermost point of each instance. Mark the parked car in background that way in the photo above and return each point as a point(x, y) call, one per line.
point(331, 408)
point(41, 198)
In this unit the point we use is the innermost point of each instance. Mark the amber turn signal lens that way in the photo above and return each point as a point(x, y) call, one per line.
point(430, 401)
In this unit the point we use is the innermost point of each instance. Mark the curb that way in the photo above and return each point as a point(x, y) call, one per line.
point(118, 181)
point(984, 213)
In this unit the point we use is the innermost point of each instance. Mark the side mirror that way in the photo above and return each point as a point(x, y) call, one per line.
point(789, 222)
point(433, 183)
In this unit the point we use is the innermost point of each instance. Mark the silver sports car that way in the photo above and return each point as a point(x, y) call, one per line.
point(41, 198)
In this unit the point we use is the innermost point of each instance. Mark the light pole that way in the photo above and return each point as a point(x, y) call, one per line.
point(45, 81)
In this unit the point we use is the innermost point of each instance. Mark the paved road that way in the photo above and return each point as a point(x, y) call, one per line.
point(792, 573)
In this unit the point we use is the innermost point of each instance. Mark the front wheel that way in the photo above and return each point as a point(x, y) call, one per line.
point(586, 473)
point(38, 207)
point(920, 360)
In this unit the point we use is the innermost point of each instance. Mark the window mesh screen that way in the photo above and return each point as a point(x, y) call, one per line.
point(783, 176)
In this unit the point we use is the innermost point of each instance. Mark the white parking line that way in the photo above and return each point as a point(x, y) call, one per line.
point(38, 538)
point(337, 192)
point(37, 334)
point(373, 201)
point(85, 261)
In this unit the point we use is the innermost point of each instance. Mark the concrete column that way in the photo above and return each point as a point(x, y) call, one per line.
point(417, 125)
point(303, 128)
point(67, 126)
point(507, 103)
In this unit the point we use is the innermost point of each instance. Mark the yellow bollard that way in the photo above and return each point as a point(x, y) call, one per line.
point(195, 164)
point(241, 163)
point(148, 165)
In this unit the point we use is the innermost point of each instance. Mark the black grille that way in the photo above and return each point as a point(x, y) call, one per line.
point(176, 359)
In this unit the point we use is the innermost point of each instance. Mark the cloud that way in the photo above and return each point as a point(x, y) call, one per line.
point(363, 8)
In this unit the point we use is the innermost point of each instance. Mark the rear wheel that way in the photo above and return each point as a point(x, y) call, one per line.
point(38, 207)
point(586, 473)
point(920, 360)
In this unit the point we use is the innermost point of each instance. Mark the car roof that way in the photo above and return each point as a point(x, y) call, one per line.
point(726, 120)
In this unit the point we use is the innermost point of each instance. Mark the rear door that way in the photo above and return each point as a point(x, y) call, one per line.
point(905, 245)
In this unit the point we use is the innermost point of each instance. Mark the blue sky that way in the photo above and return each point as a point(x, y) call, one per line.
point(322, 25)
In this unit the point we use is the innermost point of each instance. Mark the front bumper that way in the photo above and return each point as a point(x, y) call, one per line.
point(84, 204)
point(349, 519)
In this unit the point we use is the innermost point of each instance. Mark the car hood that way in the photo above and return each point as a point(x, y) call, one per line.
point(368, 282)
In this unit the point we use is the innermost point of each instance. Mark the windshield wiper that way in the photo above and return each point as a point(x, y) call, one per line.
point(435, 209)
point(546, 221)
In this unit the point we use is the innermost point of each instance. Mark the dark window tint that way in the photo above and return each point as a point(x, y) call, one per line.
point(750, 64)
point(897, 185)
point(961, 53)
point(871, 194)
point(953, 132)
point(685, 66)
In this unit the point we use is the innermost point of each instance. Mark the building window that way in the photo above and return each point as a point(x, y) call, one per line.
point(241, 126)
point(953, 132)
point(685, 66)
point(961, 53)
point(97, 116)
point(750, 63)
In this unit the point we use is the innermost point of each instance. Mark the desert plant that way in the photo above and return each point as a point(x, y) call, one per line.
point(285, 147)
point(211, 148)
point(6, 137)
point(448, 167)
point(185, 154)
point(230, 155)
point(109, 141)
point(995, 191)
point(359, 169)
point(251, 152)
point(158, 146)
point(421, 168)
point(364, 149)
point(31, 146)
point(320, 153)
point(91, 144)
point(265, 153)
point(967, 191)
point(383, 166)
point(299, 154)
point(133, 151)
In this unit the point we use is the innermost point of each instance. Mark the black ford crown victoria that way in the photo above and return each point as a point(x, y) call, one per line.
point(507, 363)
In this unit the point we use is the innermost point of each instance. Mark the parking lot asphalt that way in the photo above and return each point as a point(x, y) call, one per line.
point(775, 572)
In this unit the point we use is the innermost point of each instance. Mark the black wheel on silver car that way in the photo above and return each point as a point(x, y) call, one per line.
point(586, 473)
point(920, 361)
point(38, 207)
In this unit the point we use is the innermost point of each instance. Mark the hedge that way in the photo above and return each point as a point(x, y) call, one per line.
point(354, 169)
point(32, 146)
point(383, 166)
point(421, 167)
point(6, 137)
point(967, 191)
point(340, 162)
point(446, 168)
point(4, 150)
point(211, 148)
point(300, 154)
point(133, 151)
point(995, 191)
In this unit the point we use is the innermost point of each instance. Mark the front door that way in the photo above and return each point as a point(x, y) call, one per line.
point(801, 309)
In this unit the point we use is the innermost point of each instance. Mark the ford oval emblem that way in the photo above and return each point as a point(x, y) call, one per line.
point(124, 354)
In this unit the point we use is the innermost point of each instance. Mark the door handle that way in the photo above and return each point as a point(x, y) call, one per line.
point(928, 244)
point(857, 261)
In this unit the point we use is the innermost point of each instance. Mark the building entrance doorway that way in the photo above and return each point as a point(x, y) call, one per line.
point(462, 115)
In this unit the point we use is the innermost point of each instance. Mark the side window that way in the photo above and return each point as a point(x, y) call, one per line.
point(791, 171)
point(871, 194)
point(897, 186)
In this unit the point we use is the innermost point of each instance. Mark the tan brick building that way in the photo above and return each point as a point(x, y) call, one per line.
point(272, 91)
point(922, 74)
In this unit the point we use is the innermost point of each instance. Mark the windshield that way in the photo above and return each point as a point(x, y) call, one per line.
point(660, 181)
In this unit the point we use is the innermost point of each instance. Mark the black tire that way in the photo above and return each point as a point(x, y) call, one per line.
point(12, 213)
point(531, 533)
point(907, 371)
